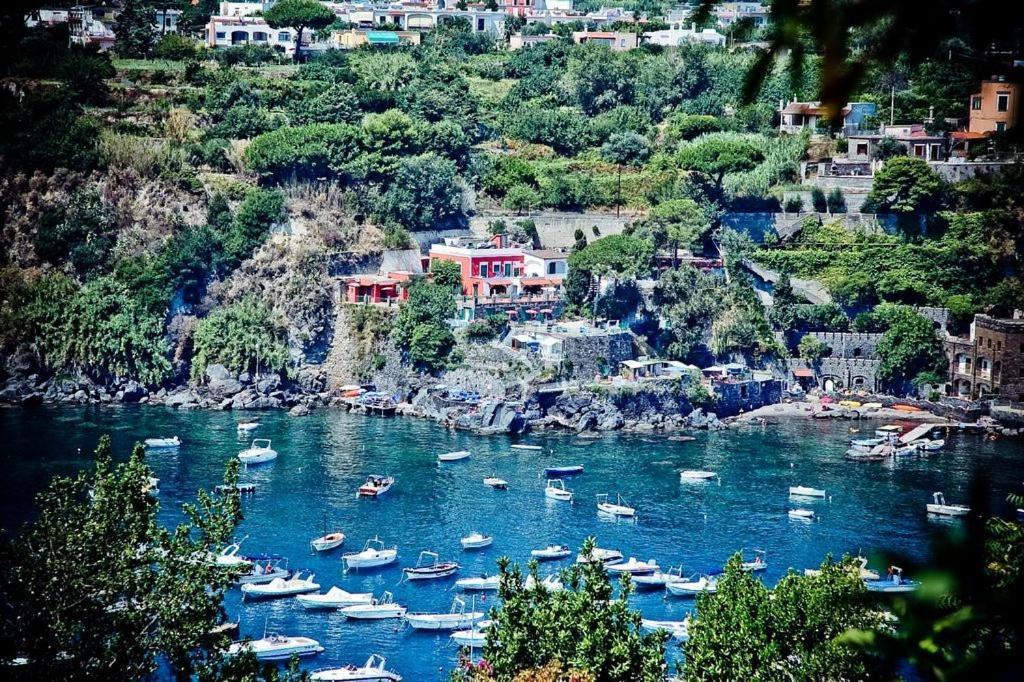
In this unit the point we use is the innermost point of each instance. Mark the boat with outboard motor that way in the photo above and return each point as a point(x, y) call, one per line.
point(551, 553)
point(660, 578)
point(376, 485)
point(696, 584)
point(334, 598)
point(163, 443)
point(476, 540)
point(372, 555)
point(633, 566)
point(556, 490)
point(281, 587)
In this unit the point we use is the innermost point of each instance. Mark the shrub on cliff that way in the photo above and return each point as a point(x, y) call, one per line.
point(238, 336)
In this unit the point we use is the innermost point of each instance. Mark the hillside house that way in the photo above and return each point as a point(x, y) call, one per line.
point(796, 117)
point(916, 141)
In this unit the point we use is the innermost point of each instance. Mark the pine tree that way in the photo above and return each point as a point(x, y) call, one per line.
point(135, 31)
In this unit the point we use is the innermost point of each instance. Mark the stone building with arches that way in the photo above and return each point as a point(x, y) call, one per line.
point(852, 362)
point(990, 362)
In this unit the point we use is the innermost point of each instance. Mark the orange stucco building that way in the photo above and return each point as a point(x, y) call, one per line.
point(995, 108)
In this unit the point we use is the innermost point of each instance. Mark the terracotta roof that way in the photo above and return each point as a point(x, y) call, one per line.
point(809, 108)
point(801, 372)
point(540, 281)
point(968, 135)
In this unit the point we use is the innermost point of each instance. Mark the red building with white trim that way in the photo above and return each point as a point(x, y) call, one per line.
point(485, 271)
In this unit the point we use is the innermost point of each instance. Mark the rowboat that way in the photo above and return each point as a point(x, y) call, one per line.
point(556, 490)
point(377, 609)
point(476, 540)
point(804, 491)
point(334, 598)
point(570, 470)
point(617, 508)
point(376, 485)
point(430, 568)
point(605, 556)
point(939, 506)
point(158, 443)
point(327, 541)
point(277, 647)
point(456, 619)
point(677, 629)
point(551, 552)
point(695, 475)
point(257, 453)
point(801, 514)
point(483, 583)
point(280, 587)
point(519, 446)
point(496, 483)
point(372, 671)
point(634, 567)
point(690, 588)
point(453, 456)
point(373, 554)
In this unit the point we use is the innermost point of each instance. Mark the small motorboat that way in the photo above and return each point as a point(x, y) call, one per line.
point(257, 453)
point(428, 567)
point(377, 609)
point(556, 490)
point(453, 456)
point(456, 619)
point(475, 636)
point(376, 485)
point(695, 475)
point(940, 507)
point(570, 470)
point(277, 647)
point(163, 443)
point(863, 572)
point(153, 486)
point(906, 450)
point(246, 427)
point(483, 583)
point(496, 483)
point(805, 514)
point(550, 583)
point(682, 439)
point(328, 541)
point(476, 540)
point(551, 553)
point(242, 488)
point(866, 442)
point(520, 446)
point(372, 671)
point(933, 445)
point(280, 587)
point(229, 557)
point(334, 598)
point(804, 491)
point(678, 629)
point(618, 508)
point(263, 568)
point(372, 555)
point(659, 578)
point(691, 587)
point(605, 556)
point(758, 564)
point(634, 567)
point(894, 582)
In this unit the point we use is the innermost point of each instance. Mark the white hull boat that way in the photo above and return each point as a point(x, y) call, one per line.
point(496, 483)
point(246, 427)
point(280, 587)
point(804, 491)
point(518, 446)
point(430, 569)
point(372, 671)
point(373, 554)
point(551, 553)
point(257, 453)
point(692, 588)
point(277, 647)
point(163, 443)
point(933, 445)
point(894, 583)
point(694, 475)
point(678, 629)
point(456, 619)
point(659, 578)
point(940, 507)
point(230, 558)
point(556, 490)
point(153, 487)
point(472, 638)
point(551, 583)
point(484, 583)
point(805, 514)
point(453, 456)
point(334, 598)
point(326, 543)
point(476, 540)
point(376, 485)
point(758, 564)
point(377, 609)
point(616, 509)
point(605, 556)
point(866, 442)
point(634, 567)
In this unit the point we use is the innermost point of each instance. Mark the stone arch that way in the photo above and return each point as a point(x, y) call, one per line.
point(859, 381)
point(831, 383)
point(962, 387)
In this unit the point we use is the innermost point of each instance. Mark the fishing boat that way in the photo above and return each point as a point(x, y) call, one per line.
point(616, 509)
point(940, 507)
point(475, 636)
point(605, 556)
point(634, 566)
point(551, 553)
point(570, 470)
point(483, 583)
point(377, 609)
point(242, 488)
point(521, 446)
point(695, 475)
point(805, 514)
point(246, 427)
point(691, 588)
point(277, 647)
point(933, 445)
point(866, 442)
point(327, 541)
point(804, 491)
point(659, 578)
point(372, 671)
point(496, 483)
point(550, 583)
point(453, 456)
point(372, 555)
point(257, 453)
point(758, 564)
point(376, 485)
point(162, 443)
point(677, 629)
point(893, 583)
point(456, 618)
point(334, 598)
point(428, 566)
point(556, 490)
point(281, 587)
point(476, 540)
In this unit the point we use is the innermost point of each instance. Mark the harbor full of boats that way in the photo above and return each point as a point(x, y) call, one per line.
point(387, 568)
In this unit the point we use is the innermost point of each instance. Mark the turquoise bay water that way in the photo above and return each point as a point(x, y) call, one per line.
point(326, 456)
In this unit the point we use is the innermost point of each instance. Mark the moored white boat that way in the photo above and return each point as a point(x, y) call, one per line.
point(523, 446)
point(163, 443)
point(660, 578)
point(280, 587)
point(377, 609)
point(618, 508)
point(932, 445)
point(804, 491)
point(372, 671)
point(376, 485)
point(866, 442)
point(257, 453)
point(940, 507)
point(429, 566)
point(551, 553)
point(373, 554)
point(245, 427)
point(496, 483)
point(479, 583)
point(634, 567)
point(328, 541)
point(277, 647)
point(453, 456)
point(153, 486)
point(696, 475)
point(456, 619)
point(552, 583)
point(758, 564)
point(893, 583)
point(605, 556)
point(475, 636)
point(230, 558)
point(476, 540)
point(678, 629)
point(556, 490)
point(691, 587)
point(334, 598)
point(806, 514)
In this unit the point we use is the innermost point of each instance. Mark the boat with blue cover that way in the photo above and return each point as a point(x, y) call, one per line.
point(571, 470)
